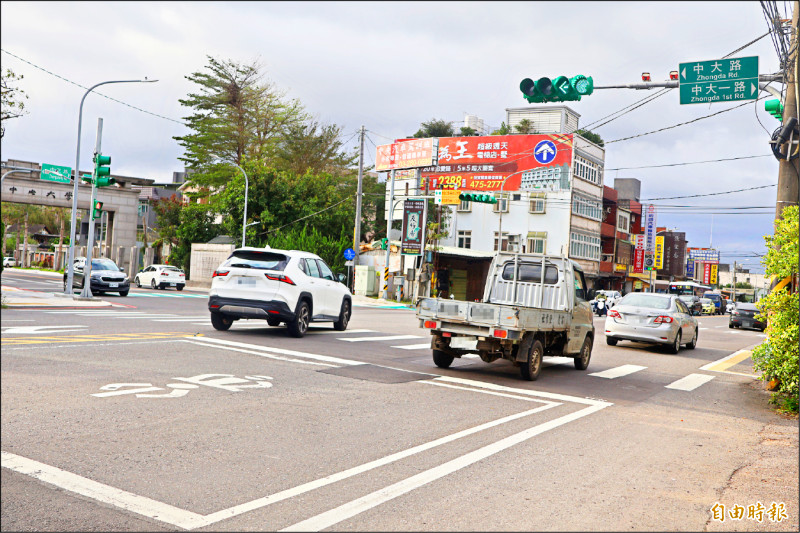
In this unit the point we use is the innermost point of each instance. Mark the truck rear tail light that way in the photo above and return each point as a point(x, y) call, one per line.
point(500, 333)
point(431, 324)
point(613, 313)
point(280, 277)
point(220, 273)
point(446, 334)
point(663, 320)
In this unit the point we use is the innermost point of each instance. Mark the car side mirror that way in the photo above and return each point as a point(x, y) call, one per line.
point(342, 278)
point(591, 294)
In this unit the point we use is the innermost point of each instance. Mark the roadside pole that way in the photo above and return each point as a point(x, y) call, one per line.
point(357, 231)
point(733, 295)
point(87, 269)
point(788, 170)
point(388, 239)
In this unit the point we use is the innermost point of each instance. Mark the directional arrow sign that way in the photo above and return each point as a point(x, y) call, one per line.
point(719, 80)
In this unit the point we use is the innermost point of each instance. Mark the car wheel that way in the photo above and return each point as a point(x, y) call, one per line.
point(299, 326)
point(531, 368)
point(137, 282)
point(611, 341)
point(675, 347)
point(123, 293)
point(153, 283)
point(344, 316)
point(99, 293)
point(442, 359)
point(693, 344)
point(730, 325)
point(221, 322)
point(273, 321)
point(180, 287)
point(582, 361)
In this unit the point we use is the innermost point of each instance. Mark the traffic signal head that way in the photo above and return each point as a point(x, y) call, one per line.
point(97, 209)
point(102, 170)
point(774, 108)
point(559, 89)
point(476, 197)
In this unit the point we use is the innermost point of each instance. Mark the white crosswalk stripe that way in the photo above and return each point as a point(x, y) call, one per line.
point(619, 371)
point(690, 382)
point(414, 346)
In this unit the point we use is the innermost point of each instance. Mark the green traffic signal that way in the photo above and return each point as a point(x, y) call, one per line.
point(102, 170)
point(479, 198)
point(559, 89)
point(774, 108)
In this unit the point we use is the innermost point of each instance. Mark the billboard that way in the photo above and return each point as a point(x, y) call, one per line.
point(650, 229)
point(523, 162)
point(674, 254)
point(638, 260)
point(410, 153)
point(413, 227)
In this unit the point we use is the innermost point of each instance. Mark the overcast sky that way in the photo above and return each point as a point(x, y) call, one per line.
point(391, 66)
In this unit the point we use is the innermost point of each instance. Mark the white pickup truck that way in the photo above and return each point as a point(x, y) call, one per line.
point(527, 312)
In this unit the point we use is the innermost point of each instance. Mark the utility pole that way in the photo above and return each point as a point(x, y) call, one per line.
point(788, 170)
point(733, 296)
point(357, 233)
point(388, 237)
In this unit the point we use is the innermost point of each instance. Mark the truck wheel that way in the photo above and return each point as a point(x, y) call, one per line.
point(582, 361)
point(442, 359)
point(530, 369)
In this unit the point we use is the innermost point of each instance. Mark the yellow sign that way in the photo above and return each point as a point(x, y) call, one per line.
point(713, 278)
point(637, 284)
point(450, 197)
point(620, 268)
point(659, 259)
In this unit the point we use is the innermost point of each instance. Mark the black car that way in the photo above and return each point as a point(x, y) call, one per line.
point(105, 276)
point(693, 303)
point(744, 316)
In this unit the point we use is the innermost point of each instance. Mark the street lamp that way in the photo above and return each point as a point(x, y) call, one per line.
point(76, 180)
point(246, 187)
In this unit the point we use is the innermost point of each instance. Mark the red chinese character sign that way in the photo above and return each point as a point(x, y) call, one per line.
point(529, 162)
point(410, 153)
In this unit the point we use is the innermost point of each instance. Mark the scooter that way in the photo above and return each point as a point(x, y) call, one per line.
point(601, 308)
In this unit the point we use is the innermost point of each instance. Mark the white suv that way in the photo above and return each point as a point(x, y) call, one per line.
point(280, 286)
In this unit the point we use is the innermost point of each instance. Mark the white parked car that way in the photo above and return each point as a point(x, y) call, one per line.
point(161, 277)
point(286, 286)
point(650, 317)
point(9, 262)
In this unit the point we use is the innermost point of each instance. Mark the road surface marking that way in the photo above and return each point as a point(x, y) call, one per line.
point(365, 503)
point(261, 354)
point(619, 371)
point(321, 331)
point(258, 348)
point(690, 382)
point(93, 338)
point(41, 330)
point(100, 492)
point(721, 365)
point(414, 346)
point(384, 338)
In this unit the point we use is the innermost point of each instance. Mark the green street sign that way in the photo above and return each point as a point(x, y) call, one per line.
point(56, 173)
point(720, 80)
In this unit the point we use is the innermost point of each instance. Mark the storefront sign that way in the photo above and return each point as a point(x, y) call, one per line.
point(659, 262)
point(413, 227)
point(638, 260)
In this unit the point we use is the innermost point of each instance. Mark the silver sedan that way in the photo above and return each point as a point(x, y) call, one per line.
point(650, 317)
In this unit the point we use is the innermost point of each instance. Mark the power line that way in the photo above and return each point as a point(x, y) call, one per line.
point(691, 162)
point(712, 193)
point(94, 92)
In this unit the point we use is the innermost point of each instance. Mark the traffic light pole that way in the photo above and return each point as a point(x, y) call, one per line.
point(86, 292)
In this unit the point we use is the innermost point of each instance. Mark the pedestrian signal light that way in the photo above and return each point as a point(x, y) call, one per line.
point(477, 197)
point(97, 209)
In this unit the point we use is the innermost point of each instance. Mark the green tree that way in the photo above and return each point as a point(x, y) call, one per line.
point(329, 248)
point(466, 131)
point(524, 127)
point(309, 147)
point(13, 99)
point(502, 130)
point(435, 128)
point(592, 137)
point(777, 357)
point(234, 116)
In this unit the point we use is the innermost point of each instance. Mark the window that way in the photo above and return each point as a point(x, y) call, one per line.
point(580, 285)
point(464, 206)
point(584, 246)
point(623, 221)
point(505, 241)
point(587, 207)
point(537, 204)
point(536, 245)
point(325, 272)
point(502, 203)
point(465, 239)
point(587, 170)
point(256, 259)
point(531, 273)
point(313, 270)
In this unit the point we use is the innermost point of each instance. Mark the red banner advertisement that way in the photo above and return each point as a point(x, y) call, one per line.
point(485, 163)
point(638, 260)
point(411, 153)
point(706, 273)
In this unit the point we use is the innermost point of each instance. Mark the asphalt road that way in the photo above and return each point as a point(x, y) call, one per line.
point(143, 417)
